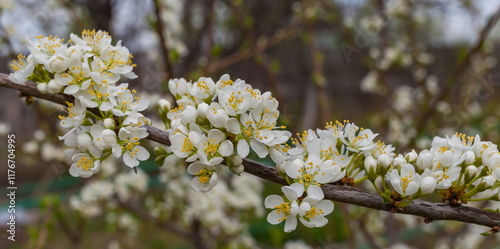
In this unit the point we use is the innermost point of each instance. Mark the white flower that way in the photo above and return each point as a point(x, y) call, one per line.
point(205, 176)
point(84, 165)
point(313, 171)
point(178, 87)
point(213, 147)
point(76, 115)
point(235, 101)
point(130, 146)
point(103, 138)
point(312, 214)
point(446, 176)
point(445, 154)
point(185, 142)
point(284, 209)
point(23, 68)
point(203, 89)
point(408, 182)
point(358, 140)
point(92, 41)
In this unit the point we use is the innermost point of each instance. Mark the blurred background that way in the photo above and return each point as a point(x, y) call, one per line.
point(407, 69)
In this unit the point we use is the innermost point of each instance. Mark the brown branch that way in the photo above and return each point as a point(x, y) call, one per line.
point(345, 194)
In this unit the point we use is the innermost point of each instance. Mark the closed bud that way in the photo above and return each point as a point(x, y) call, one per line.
point(84, 141)
point(42, 87)
point(428, 185)
point(371, 167)
point(164, 105)
point(189, 115)
point(424, 160)
point(236, 160)
point(411, 156)
point(238, 169)
point(160, 150)
point(202, 110)
point(399, 160)
point(470, 173)
point(384, 160)
point(53, 87)
point(488, 181)
point(280, 168)
point(109, 123)
point(469, 157)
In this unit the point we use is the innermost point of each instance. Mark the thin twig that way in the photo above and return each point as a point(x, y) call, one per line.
point(346, 194)
point(264, 44)
point(210, 20)
point(262, 59)
point(459, 71)
point(160, 29)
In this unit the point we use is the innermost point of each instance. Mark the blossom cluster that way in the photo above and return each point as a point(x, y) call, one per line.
point(329, 155)
point(459, 168)
point(217, 123)
point(105, 117)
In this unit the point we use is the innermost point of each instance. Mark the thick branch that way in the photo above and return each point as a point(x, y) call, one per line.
point(346, 194)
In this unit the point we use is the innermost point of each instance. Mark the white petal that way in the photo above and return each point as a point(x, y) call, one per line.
point(259, 148)
point(226, 148)
point(325, 205)
point(315, 192)
point(233, 126)
point(72, 89)
point(142, 154)
point(273, 201)
point(293, 168)
point(274, 218)
point(243, 148)
point(290, 224)
point(290, 193)
point(412, 188)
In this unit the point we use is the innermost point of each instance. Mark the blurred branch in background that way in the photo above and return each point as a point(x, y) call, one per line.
point(454, 80)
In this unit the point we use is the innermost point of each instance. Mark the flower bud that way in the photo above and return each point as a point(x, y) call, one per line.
point(236, 160)
point(109, 123)
point(411, 156)
point(470, 173)
point(424, 160)
point(428, 185)
point(42, 87)
point(469, 157)
point(238, 169)
point(160, 150)
point(280, 168)
point(189, 115)
point(399, 160)
point(164, 105)
point(84, 141)
point(58, 65)
point(371, 167)
point(202, 110)
point(384, 160)
point(488, 181)
point(218, 118)
point(53, 87)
